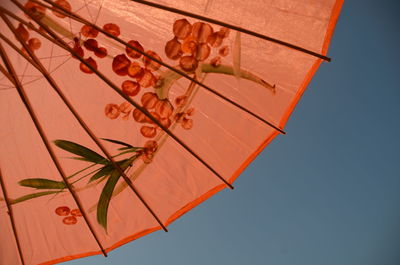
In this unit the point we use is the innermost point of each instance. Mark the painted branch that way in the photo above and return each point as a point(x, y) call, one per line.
point(42, 134)
point(185, 75)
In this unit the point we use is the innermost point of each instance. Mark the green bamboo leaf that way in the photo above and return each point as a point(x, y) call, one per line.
point(32, 196)
point(82, 151)
point(106, 170)
point(106, 194)
point(117, 142)
point(39, 183)
point(132, 149)
point(78, 158)
point(124, 148)
point(236, 55)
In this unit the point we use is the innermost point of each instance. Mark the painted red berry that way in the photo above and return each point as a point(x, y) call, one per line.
point(147, 79)
point(139, 116)
point(150, 63)
point(148, 131)
point(130, 88)
point(62, 210)
point(135, 70)
point(112, 28)
point(149, 100)
point(91, 44)
point(112, 111)
point(202, 52)
point(133, 53)
point(85, 68)
point(201, 31)
point(173, 49)
point(182, 28)
point(164, 108)
point(76, 213)
point(121, 64)
point(89, 32)
point(100, 52)
point(188, 63)
point(22, 31)
point(70, 220)
point(34, 44)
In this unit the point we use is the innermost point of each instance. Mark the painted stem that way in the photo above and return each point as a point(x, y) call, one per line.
point(169, 77)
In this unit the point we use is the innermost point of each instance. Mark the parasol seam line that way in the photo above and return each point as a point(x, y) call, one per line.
point(10, 213)
point(43, 136)
point(37, 64)
point(243, 30)
point(63, 45)
point(213, 91)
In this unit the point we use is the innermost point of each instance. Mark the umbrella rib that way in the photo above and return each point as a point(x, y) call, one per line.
point(38, 65)
point(11, 215)
point(25, 100)
point(58, 8)
point(65, 46)
point(246, 31)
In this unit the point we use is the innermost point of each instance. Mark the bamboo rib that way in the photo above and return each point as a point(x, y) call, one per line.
point(64, 45)
point(44, 138)
point(37, 64)
point(246, 31)
point(11, 214)
point(71, 15)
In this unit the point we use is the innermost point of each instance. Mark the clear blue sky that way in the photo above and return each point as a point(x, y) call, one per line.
point(327, 193)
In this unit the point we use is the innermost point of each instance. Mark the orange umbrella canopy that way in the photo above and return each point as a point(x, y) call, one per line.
point(117, 117)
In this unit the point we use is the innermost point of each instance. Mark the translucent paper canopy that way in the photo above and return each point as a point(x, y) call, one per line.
point(133, 144)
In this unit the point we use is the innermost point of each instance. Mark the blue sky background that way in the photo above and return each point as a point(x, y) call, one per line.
point(327, 193)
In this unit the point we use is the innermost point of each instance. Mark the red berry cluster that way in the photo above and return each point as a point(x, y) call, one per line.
point(113, 111)
point(140, 69)
point(33, 43)
point(160, 109)
point(192, 44)
point(183, 118)
point(147, 154)
point(37, 10)
point(91, 45)
point(65, 211)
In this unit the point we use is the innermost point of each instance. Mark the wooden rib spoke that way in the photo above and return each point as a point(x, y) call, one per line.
point(38, 126)
point(38, 65)
point(58, 41)
point(10, 212)
point(77, 18)
point(246, 31)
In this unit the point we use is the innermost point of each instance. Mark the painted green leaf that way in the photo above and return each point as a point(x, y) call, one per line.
point(107, 170)
point(104, 171)
point(33, 195)
point(40, 183)
point(127, 148)
point(77, 149)
point(106, 194)
point(78, 158)
point(117, 142)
